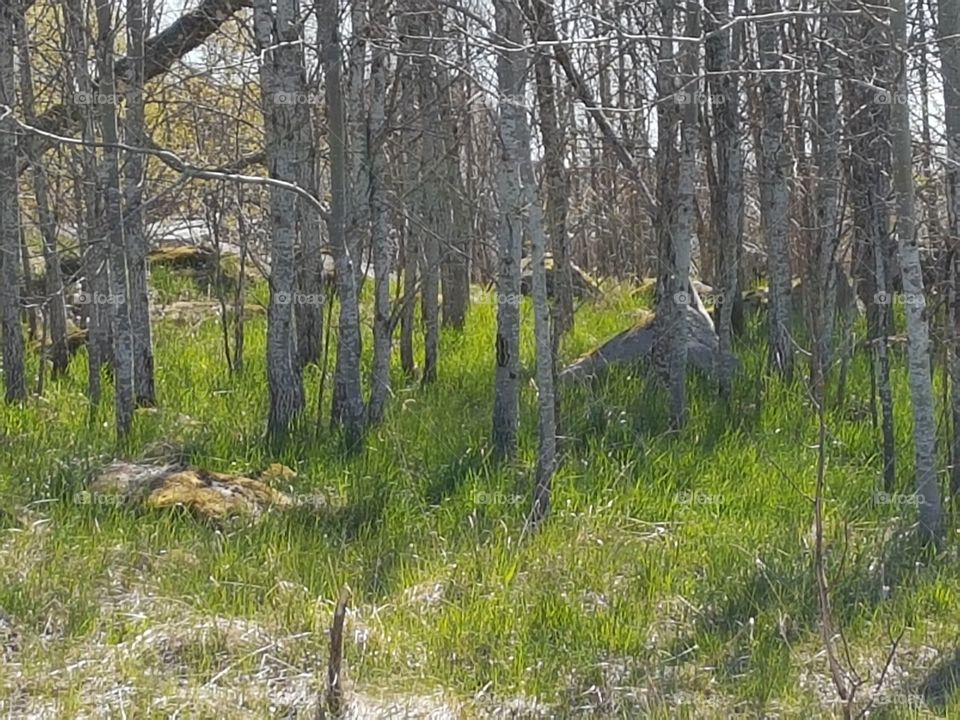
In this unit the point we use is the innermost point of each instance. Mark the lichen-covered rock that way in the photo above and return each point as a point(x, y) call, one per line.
point(207, 494)
point(635, 344)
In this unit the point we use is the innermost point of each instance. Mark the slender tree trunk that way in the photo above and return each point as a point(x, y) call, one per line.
point(14, 375)
point(949, 42)
point(454, 250)
point(380, 232)
point(555, 174)
point(88, 191)
point(827, 197)
point(670, 351)
point(348, 409)
point(511, 85)
point(308, 315)
point(277, 35)
point(411, 234)
point(355, 118)
point(727, 190)
point(432, 191)
point(774, 163)
point(118, 299)
point(547, 454)
point(918, 340)
point(133, 170)
point(868, 121)
point(55, 313)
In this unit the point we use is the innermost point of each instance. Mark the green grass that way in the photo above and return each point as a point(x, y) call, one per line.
point(673, 578)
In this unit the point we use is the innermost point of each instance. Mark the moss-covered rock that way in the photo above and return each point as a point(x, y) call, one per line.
point(206, 494)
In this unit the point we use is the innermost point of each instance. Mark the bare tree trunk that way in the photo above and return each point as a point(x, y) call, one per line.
point(410, 250)
point(555, 175)
point(118, 299)
point(347, 410)
point(547, 454)
point(308, 315)
point(918, 340)
point(454, 251)
point(380, 231)
point(14, 375)
point(55, 311)
point(949, 41)
point(868, 122)
point(511, 84)
point(277, 35)
point(670, 351)
point(87, 184)
point(133, 170)
point(827, 198)
point(356, 139)
point(727, 190)
point(774, 163)
point(431, 191)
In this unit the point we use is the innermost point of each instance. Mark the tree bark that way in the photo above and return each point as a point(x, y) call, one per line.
point(827, 198)
point(555, 175)
point(727, 190)
point(511, 85)
point(670, 351)
point(135, 177)
point(380, 231)
point(949, 42)
point(277, 35)
point(55, 310)
point(773, 165)
point(918, 340)
point(14, 375)
point(118, 298)
point(348, 409)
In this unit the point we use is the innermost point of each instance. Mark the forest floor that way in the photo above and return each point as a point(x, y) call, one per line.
point(673, 578)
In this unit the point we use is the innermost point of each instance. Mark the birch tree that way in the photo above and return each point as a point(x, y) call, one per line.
point(677, 208)
point(555, 175)
point(774, 162)
point(277, 32)
point(14, 376)
point(348, 409)
point(134, 128)
point(949, 43)
point(118, 299)
point(918, 334)
point(827, 194)
point(379, 224)
point(511, 69)
point(727, 192)
point(55, 311)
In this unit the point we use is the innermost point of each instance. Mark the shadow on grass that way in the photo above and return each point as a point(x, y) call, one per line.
point(941, 682)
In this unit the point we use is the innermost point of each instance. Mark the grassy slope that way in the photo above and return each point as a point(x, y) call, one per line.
point(673, 578)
